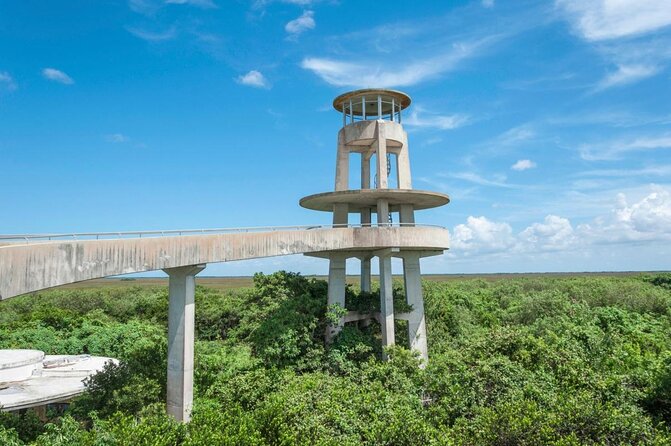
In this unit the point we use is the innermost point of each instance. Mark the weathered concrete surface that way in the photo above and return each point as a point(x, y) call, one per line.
point(181, 337)
point(35, 266)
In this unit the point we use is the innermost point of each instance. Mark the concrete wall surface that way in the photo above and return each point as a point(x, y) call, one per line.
point(27, 267)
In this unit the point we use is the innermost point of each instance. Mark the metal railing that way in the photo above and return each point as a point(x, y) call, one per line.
point(179, 232)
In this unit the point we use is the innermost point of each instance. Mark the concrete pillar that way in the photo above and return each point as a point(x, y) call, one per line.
point(381, 156)
point(382, 212)
point(403, 167)
point(336, 290)
point(181, 320)
point(407, 215)
point(413, 296)
point(342, 166)
point(365, 170)
point(365, 274)
point(386, 301)
point(340, 214)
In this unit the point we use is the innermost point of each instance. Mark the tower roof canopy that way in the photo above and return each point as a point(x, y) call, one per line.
point(371, 95)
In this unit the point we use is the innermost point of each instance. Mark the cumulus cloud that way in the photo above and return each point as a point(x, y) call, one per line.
point(253, 79)
point(480, 235)
point(598, 20)
point(301, 24)
point(645, 220)
point(554, 233)
point(57, 76)
point(523, 165)
point(7, 81)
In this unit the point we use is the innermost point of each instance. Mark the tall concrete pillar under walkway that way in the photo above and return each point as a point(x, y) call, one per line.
point(336, 291)
point(413, 295)
point(181, 321)
point(386, 301)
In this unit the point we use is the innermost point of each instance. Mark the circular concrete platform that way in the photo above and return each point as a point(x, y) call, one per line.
point(359, 199)
point(17, 365)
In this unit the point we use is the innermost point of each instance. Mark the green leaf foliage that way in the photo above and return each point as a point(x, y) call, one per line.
point(531, 361)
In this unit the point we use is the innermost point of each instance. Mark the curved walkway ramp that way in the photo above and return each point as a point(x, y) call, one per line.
point(30, 263)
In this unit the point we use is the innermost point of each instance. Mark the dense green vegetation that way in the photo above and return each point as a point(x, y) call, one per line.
point(561, 361)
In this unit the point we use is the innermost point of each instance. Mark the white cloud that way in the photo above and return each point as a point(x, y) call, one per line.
point(555, 233)
point(616, 149)
point(301, 24)
point(658, 170)
point(116, 138)
point(7, 81)
point(627, 74)
point(598, 20)
point(488, 3)
point(418, 117)
point(523, 165)
point(382, 74)
point(151, 36)
point(253, 79)
point(477, 179)
point(57, 76)
point(646, 220)
point(480, 235)
point(205, 4)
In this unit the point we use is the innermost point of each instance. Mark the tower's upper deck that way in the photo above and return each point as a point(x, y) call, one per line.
point(371, 104)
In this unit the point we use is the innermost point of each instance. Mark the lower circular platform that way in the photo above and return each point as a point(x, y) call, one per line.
point(359, 199)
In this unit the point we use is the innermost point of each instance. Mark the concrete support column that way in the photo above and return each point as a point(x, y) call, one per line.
point(181, 321)
point(365, 274)
point(407, 215)
point(386, 301)
point(336, 290)
point(365, 170)
point(403, 166)
point(382, 212)
point(340, 214)
point(413, 296)
point(381, 157)
point(342, 166)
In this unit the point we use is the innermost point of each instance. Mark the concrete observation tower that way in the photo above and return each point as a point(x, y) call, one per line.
point(372, 129)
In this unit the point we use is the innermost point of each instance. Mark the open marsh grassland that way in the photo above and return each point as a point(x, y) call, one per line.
point(529, 360)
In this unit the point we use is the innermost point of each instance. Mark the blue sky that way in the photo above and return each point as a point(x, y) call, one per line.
point(547, 122)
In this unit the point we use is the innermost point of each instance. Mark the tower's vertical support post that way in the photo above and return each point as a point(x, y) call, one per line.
point(407, 215)
point(181, 322)
point(336, 290)
point(386, 301)
point(365, 170)
point(365, 274)
point(413, 296)
point(382, 212)
point(342, 165)
point(403, 166)
point(380, 145)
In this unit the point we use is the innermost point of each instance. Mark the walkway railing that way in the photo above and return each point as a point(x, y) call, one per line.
point(12, 238)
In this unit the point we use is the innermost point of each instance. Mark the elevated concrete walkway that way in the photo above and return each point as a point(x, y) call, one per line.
point(30, 263)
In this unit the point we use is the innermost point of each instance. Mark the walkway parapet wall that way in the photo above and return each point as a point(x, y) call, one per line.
point(28, 267)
